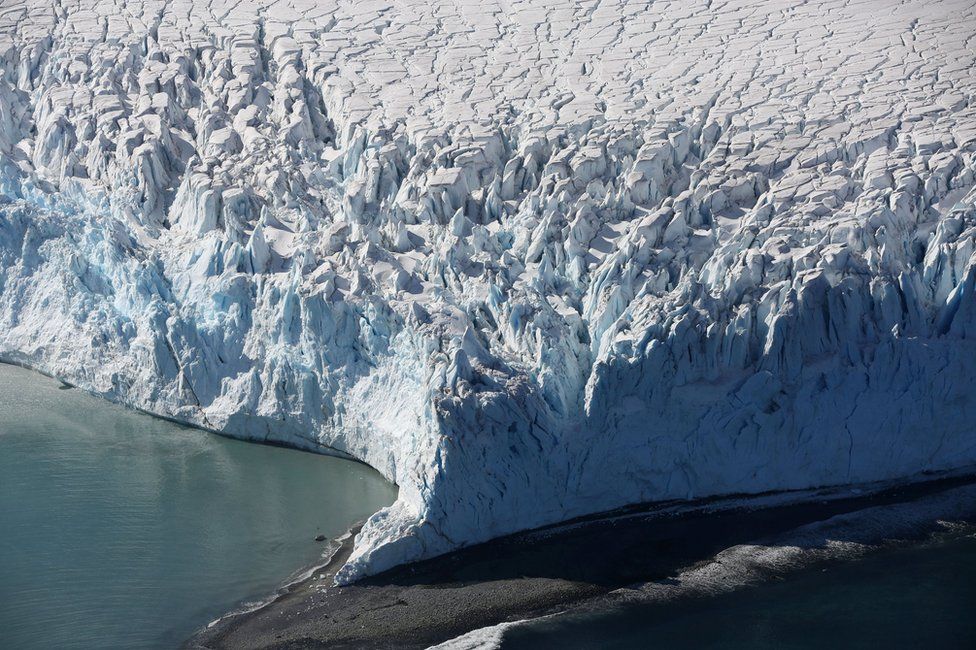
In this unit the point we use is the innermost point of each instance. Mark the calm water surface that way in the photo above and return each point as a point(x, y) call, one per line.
point(922, 597)
point(119, 530)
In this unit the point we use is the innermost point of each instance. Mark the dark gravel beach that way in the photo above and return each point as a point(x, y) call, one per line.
point(536, 573)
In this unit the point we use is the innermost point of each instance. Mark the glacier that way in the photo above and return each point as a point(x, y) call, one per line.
point(530, 259)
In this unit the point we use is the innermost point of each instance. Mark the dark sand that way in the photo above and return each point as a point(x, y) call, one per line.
point(525, 575)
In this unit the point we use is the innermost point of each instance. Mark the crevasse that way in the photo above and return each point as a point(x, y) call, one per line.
point(529, 261)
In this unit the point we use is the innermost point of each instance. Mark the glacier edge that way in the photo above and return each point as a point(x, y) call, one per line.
point(560, 299)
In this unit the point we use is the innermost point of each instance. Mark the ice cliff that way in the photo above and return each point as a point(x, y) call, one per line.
point(529, 259)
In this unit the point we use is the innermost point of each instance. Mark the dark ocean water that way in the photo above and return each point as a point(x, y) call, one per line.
point(923, 596)
point(119, 530)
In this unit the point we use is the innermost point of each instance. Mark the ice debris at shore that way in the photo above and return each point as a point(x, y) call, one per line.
point(529, 259)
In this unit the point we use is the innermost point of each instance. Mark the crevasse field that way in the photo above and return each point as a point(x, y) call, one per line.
point(530, 260)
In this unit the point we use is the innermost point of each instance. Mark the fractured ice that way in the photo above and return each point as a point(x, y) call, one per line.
point(530, 260)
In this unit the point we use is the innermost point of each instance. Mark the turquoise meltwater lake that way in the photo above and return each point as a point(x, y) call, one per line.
point(120, 530)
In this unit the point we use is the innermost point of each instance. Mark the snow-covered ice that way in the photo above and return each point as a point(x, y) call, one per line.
point(529, 259)
point(486, 638)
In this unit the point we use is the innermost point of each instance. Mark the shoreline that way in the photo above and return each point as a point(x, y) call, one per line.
point(307, 445)
point(590, 564)
point(458, 607)
point(336, 546)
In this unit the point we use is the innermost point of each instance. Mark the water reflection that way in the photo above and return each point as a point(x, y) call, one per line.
point(122, 530)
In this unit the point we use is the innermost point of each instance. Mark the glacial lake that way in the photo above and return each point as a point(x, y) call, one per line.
point(120, 530)
point(914, 597)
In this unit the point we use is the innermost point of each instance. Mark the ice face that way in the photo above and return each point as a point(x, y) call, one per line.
point(529, 260)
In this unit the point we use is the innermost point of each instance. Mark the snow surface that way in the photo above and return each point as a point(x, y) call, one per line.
point(531, 260)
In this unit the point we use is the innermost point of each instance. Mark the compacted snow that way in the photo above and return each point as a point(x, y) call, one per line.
point(529, 259)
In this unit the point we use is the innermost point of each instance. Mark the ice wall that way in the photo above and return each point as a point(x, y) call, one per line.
point(531, 260)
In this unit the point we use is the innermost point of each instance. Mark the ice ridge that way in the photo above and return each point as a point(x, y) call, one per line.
point(531, 260)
